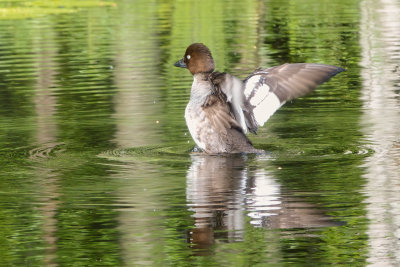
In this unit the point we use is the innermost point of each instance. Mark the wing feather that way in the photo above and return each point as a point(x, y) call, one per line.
point(266, 90)
point(219, 114)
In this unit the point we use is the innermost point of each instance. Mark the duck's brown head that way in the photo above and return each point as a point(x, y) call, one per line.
point(197, 59)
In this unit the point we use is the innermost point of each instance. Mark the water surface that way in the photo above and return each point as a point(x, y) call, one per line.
point(95, 161)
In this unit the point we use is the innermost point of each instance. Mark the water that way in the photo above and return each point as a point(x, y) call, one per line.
point(95, 162)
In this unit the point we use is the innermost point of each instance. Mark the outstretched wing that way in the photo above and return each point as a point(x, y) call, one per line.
point(266, 90)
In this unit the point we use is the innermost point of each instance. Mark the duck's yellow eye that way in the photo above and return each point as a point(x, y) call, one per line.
point(188, 57)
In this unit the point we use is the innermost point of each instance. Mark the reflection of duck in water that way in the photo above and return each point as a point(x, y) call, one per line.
point(222, 108)
point(223, 190)
point(214, 191)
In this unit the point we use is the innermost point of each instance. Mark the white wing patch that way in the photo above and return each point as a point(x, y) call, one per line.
point(251, 84)
point(259, 96)
point(237, 101)
point(264, 110)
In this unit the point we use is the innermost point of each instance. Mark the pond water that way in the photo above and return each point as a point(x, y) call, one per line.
point(95, 161)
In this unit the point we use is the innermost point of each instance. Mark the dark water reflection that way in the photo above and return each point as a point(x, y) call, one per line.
point(95, 162)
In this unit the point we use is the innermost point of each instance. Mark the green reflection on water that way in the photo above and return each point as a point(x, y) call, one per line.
point(31, 9)
point(101, 82)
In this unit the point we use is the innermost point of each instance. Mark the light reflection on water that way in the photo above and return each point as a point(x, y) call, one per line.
point(380, 31)
point(95, 165)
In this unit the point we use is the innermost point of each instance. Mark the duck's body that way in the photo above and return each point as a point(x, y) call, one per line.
point(222, 108)
point(210, 120)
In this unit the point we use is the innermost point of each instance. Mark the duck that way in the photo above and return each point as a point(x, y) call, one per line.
point(222, 108)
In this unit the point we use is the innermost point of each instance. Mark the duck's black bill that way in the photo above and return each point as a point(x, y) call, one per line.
point(180, 64)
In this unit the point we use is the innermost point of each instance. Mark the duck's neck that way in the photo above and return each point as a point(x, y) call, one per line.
point(201, 86)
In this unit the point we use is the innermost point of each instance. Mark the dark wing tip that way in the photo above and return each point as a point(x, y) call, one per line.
point(253, 130)
point(336, 71)
point(329, 73)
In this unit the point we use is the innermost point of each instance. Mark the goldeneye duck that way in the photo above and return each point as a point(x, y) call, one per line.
point(222, 108)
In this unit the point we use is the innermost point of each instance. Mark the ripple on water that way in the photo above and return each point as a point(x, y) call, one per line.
point(46, 150)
